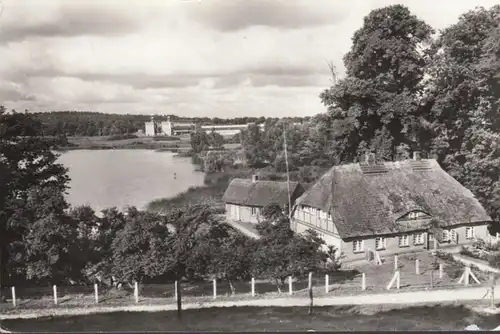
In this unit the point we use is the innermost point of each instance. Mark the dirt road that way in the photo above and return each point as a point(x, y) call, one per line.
point(407, 298)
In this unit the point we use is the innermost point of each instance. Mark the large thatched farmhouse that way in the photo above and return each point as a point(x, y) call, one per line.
point(244, 198)
point(390, 207)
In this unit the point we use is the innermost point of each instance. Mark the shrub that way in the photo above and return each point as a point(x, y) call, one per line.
point(454, 271)
point(466, 252)
point(445, 256)
point(480, 244)
point(494, 260)
point(493, 246)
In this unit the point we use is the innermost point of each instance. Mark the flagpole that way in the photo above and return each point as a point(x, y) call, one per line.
point(287, 175)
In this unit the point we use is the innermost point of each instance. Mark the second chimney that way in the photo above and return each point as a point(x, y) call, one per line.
point(255, 177)
point(416, 155)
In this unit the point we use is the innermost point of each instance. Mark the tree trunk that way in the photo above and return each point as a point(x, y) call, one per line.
point(179, 299)
point(1, 272)
point(231, 286)
point(278, 285)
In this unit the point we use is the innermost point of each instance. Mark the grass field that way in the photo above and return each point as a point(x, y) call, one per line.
point(377, 277)
point(250, 319)
point(106, 142)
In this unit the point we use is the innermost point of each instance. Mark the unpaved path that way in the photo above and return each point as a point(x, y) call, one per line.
point(406, 298)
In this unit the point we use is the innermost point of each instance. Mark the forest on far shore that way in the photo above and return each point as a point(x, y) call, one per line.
point(86, 123)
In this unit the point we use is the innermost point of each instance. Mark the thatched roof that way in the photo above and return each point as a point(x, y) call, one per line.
point(366, 202)
point(259, 193)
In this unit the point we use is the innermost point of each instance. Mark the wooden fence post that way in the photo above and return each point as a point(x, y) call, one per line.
point(440, 271)
point(290, 285)
point(363, 281)
point(310, 280)
point(395, 262)
point(54, 288)
point(96, 292)
point(175, 290)
point(417, 267)
point(327, 283)
point(394, 279)
point(215, 288)
point(136, 292)
point(253, 287)
point(13, 289)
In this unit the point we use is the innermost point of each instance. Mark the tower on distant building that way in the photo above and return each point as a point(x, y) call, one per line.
point(167, 128)
point(149, 127)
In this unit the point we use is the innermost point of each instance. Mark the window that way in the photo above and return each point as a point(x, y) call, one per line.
point(404, 241)
point(418, 239)
point(380, 243)
point(454, 235)
point(445, 236)
point(253, 211)
point(469, 233)
point(357, 246)
point(431, 237)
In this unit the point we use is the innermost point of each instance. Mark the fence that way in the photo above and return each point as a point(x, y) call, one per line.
point(337, 283)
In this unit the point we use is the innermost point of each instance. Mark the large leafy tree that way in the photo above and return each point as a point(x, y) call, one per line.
point(377, 104)
point(223, 254)
point(464, 97)
point(31, 195)
point(188, 225)
point(141, 248)
point(199, 141)
point(254, 146)
point(280, 253)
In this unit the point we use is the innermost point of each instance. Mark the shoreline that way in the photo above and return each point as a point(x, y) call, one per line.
point(365, 304)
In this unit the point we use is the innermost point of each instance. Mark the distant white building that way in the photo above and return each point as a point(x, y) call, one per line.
point(169, 128)
point(227, 130)
point(149, 128)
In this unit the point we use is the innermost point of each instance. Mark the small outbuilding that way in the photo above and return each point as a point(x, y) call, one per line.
point(245, 198)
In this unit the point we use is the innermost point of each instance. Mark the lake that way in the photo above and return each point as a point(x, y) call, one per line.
point(121, 178)
point(340, 318)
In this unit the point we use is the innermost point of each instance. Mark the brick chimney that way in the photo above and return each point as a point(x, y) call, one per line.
point(416, 155)
point(370, 158)
point(255, 178)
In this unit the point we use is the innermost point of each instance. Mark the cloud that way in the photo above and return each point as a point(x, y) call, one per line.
point(285, 14)
point(223, 58)
point(63, 19)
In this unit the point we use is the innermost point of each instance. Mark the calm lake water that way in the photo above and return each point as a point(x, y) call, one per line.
point(120, 178)
point(264, 319)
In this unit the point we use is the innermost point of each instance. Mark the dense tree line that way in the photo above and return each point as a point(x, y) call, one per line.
point(44, 240)
point(84, 123)
point(405, 91)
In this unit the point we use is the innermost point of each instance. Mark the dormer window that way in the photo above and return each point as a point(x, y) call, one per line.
point(414, 215)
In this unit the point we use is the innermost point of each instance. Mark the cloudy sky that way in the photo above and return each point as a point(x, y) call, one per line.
point(216, 58)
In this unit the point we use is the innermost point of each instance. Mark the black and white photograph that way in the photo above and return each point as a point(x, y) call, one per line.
point(249, 165)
